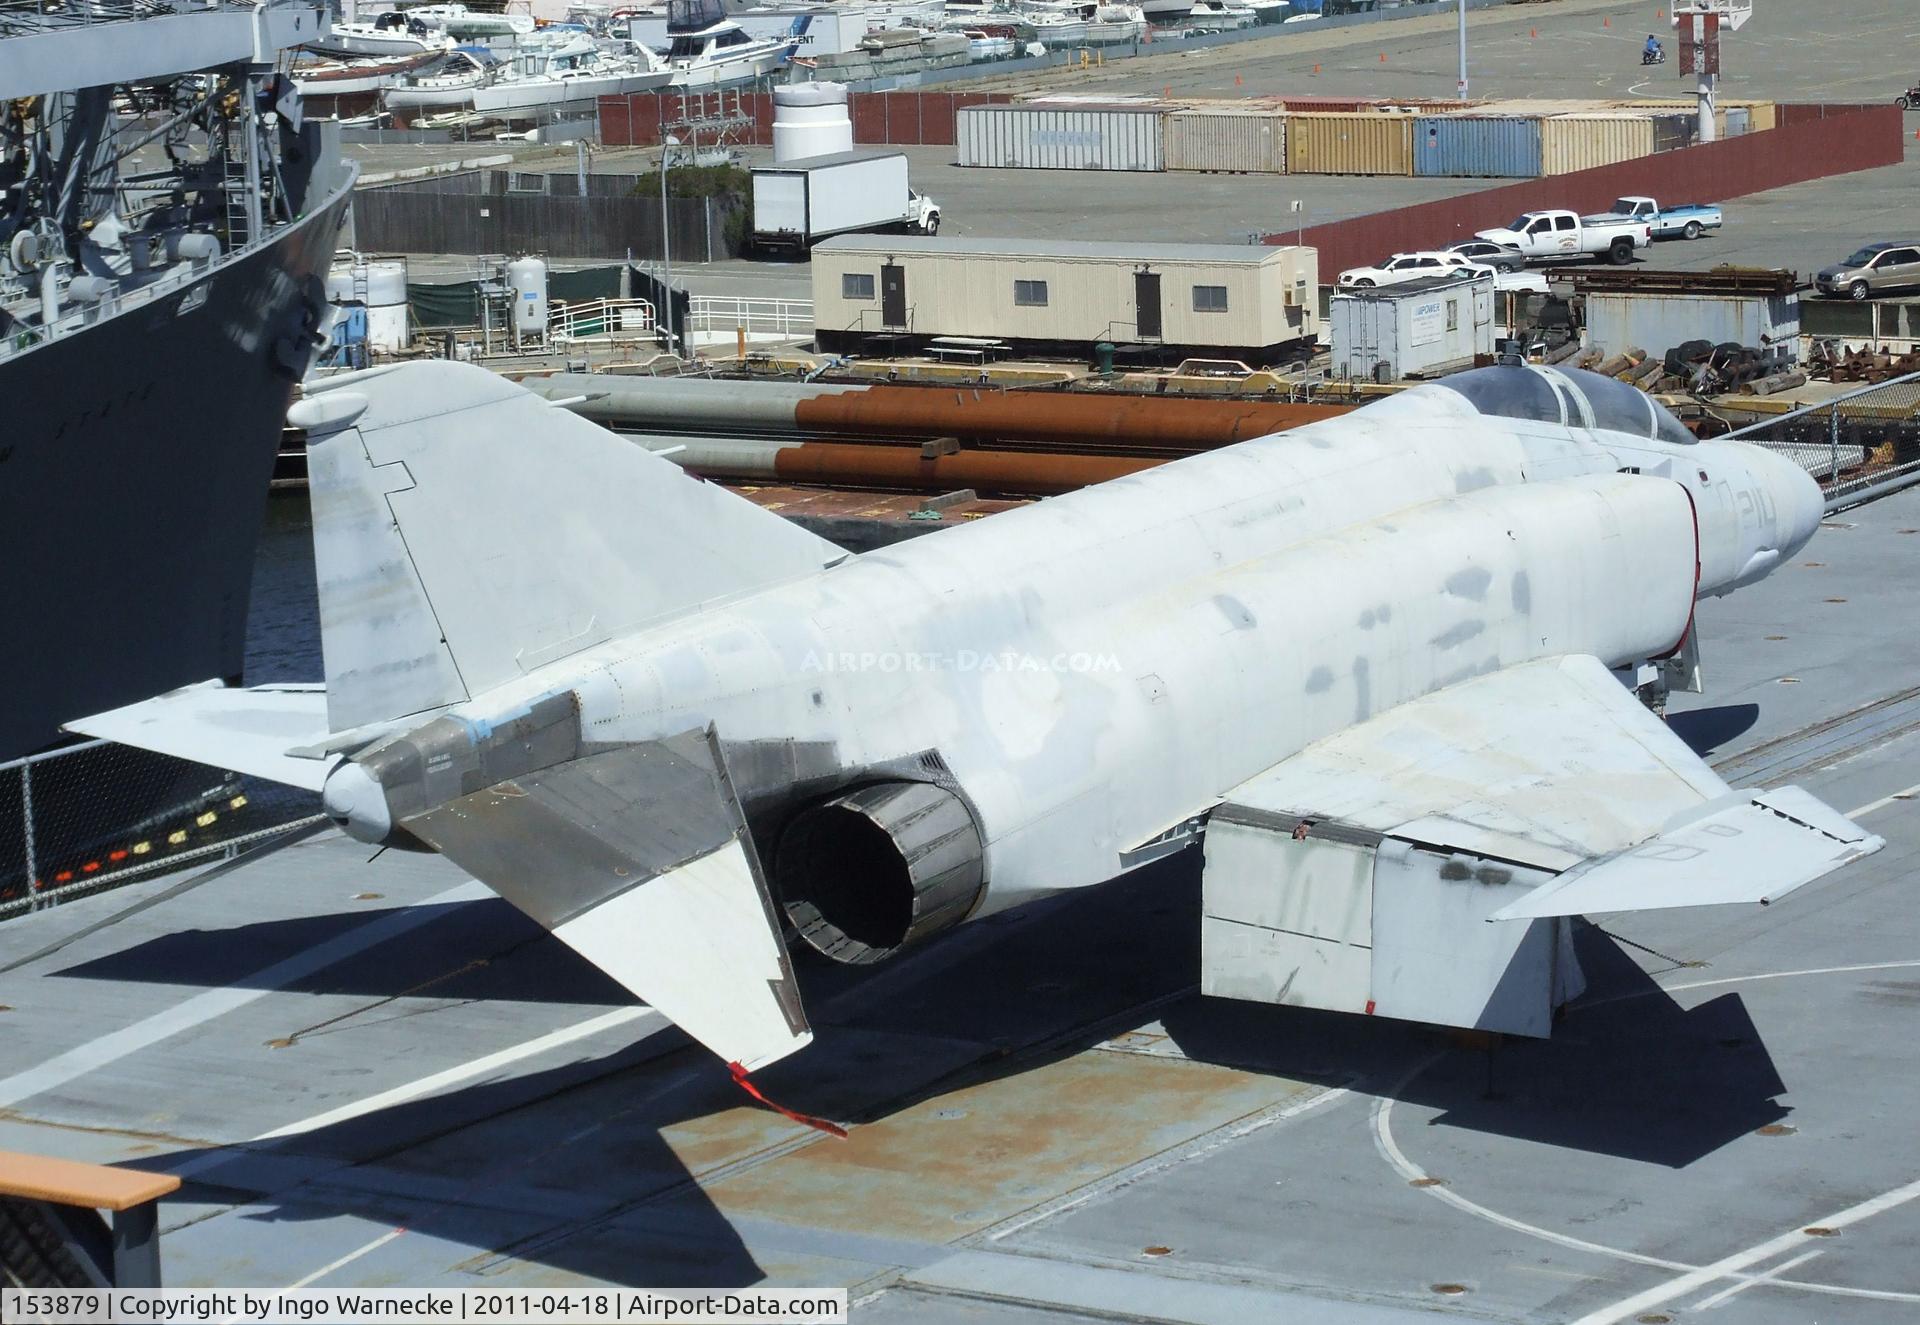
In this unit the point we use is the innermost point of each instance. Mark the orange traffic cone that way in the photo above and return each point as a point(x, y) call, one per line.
point(1533, 32)
point(1236, 80)
point(1316, 69)
point(1383, 57)
point(1606, 22)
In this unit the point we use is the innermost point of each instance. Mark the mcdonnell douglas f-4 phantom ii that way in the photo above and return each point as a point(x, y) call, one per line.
point(1383, 667)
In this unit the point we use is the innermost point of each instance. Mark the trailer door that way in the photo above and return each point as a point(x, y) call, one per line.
point(1146, 304)
point(893, 296)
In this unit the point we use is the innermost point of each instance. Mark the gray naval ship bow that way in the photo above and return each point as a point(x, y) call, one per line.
point(166, 221)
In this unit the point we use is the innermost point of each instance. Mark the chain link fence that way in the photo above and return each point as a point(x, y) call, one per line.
point(1860, 445)
point(97, 815)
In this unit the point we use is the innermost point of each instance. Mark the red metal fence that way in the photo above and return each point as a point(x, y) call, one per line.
point(1812, 142)
point(905, 119)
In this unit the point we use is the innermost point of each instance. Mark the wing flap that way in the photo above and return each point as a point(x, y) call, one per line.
point(1556, 766)
point(245, 730)
point(1754, 847)
point(638, 858)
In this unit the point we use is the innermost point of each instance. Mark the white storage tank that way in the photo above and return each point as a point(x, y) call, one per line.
point(527, 282)
point(1415, 329)
point(381, 285)
point(810, 119)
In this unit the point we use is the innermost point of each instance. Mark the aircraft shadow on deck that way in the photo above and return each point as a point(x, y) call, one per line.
point(1629, 1073)
point(1708, 730)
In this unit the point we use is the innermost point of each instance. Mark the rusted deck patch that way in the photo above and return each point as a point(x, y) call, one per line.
point(961, 1162)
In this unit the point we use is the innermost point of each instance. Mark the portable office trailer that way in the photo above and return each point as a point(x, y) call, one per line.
point(1412, 330)
point(1075, 136)
point(1171, 301)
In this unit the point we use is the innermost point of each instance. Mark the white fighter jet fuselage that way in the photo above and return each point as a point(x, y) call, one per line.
point(962, 723)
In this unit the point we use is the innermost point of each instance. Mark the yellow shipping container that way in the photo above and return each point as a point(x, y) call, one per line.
point(1240, 141)
point(1581, 142)
point(1341, 143)
point(1523, 108)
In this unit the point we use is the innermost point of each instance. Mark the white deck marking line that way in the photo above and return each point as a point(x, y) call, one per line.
point(1740, 1260)
point(204, 1007)
point(1905, 793)
point(431, 1084)
point(1390, 1151)
point(1775, 975)
point(346, 1260)
point(1709, 1303)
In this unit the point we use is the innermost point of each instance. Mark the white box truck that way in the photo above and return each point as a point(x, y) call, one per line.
point(797, 202)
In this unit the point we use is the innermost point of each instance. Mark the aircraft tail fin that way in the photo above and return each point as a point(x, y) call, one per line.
point(467, 532)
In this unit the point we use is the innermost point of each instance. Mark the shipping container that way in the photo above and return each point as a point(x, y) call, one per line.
point(1411, 330)
point(1243, 141)
point(1472, 145)
point(1349, 144)
point(1661, 322)
point(1243, 301)
point(1581, 142)
point(1541, 107)
point(1108, 137)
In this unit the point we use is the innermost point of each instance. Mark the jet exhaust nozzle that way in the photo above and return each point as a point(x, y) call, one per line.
point(878, 869)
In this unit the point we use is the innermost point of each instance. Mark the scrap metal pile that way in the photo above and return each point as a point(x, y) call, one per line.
point(1832, 361)
point(1695, 367)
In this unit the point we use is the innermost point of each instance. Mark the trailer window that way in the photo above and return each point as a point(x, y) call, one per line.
point(1453, 315)
point(1209, 298)
point(856, 285)
point(1030, 294)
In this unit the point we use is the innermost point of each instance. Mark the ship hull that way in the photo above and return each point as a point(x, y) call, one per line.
point(133, 480)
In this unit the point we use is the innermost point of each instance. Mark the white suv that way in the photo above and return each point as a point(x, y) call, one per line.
point(1411, 267)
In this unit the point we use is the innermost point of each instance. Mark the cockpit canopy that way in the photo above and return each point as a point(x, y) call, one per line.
point(1569, 396)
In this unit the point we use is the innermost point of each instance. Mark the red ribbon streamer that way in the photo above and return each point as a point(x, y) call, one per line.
point(818, 1124)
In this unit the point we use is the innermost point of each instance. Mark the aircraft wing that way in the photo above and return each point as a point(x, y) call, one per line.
point(638, 858)
point(248, 731)
point(1556, 767)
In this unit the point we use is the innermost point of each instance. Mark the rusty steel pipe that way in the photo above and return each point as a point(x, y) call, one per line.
point(1062, 418)
point(695, 406)
point(995, 473)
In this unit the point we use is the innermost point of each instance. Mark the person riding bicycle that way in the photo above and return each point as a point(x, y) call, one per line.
point(1652, 51)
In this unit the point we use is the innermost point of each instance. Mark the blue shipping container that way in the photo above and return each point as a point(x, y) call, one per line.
point(1467, 145)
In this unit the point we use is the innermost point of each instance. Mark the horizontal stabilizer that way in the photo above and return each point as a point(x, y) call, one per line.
point(246, 731)
point(1755, 847)
point(638, 859)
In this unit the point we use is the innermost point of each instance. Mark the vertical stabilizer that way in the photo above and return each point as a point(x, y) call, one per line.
point(467, 532)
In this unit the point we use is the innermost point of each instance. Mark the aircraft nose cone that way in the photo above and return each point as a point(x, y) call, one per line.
point(353, 800)
point(1798, 501)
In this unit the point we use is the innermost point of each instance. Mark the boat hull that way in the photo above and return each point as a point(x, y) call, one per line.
point(136, 458)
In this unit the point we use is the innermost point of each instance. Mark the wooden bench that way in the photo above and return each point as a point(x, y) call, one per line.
point(130, 1194)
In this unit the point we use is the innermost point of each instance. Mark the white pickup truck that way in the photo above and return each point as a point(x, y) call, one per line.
point(1542, 236)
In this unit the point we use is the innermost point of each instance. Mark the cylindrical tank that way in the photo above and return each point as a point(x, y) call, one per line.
point(810, 119)
point(527, 279)
point(380, 284)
